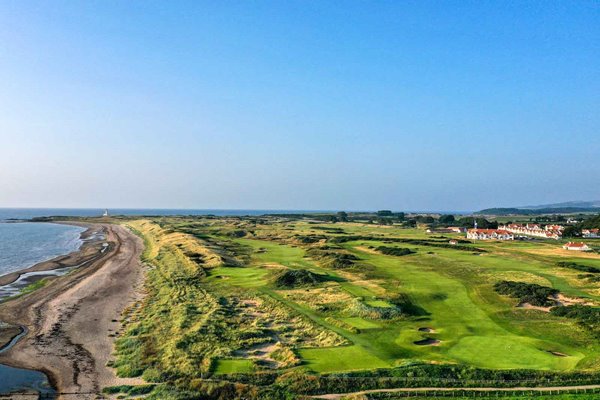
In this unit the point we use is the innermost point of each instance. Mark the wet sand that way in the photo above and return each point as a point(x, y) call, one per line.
point(69, 320)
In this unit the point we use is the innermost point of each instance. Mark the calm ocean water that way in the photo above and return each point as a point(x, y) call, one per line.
point(25, 244)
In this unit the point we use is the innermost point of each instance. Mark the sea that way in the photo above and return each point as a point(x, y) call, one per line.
point(28, 213)
point(25, 244)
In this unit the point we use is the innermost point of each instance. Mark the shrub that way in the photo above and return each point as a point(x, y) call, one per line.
point(587, 316)
point(578, 267)
point(395, 251)
point(298, 277)
point(531, 293)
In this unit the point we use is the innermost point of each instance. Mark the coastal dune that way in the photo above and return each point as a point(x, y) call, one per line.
point(71, 321)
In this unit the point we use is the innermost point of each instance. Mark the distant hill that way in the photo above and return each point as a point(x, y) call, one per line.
point(568, 207)
point(538, 211)
point(567, 204)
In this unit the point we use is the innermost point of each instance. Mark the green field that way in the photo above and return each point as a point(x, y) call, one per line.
point(292, 296)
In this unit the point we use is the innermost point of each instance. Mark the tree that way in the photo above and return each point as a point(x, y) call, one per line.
point(591, 223)
point(481, 223)
point(401, 216)
point(384, 213)
point(447, 219)
point(343, 216)
point(425, 219)
point(572, 231)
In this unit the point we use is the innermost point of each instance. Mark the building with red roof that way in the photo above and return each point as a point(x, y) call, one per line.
point(577, 246)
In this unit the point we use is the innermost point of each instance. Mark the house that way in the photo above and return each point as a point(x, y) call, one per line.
point(457, 229)
point(489, 234)
point(590, 233)
point(576, 246)
point(453, 241)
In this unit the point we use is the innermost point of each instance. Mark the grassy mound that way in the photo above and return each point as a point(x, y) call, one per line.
point(331, 257)
point(531, 293)
point(395, 251)
point(587, 316)
point(293, 278)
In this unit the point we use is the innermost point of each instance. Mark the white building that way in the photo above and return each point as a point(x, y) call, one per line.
point(576, 246)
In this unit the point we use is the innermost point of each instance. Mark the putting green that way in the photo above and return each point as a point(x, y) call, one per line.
point(360, 323)
point(346, 358)
point(233, 366)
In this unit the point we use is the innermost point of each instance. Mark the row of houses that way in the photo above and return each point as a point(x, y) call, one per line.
point(537, 230)
point(489, 234)
point(590, 233)
point(503, 234)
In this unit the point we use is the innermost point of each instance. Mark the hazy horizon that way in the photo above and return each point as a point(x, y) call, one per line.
point(298, 105)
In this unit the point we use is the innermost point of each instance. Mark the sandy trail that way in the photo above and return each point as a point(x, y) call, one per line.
point(70, 319)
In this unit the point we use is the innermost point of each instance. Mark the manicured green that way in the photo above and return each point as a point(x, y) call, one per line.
point(233, 366)
point(336, 359)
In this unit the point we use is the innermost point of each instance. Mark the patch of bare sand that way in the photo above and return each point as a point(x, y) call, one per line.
point(365, 249)
point(569, 301)
point(561, 300)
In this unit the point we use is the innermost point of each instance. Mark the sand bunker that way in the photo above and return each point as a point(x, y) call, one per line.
point(561, 300)
point(427, 342)
point(557, 354)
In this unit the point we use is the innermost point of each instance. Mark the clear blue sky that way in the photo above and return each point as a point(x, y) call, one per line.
point(299, 104)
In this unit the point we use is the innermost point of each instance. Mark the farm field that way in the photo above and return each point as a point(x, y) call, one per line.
point(235, 297)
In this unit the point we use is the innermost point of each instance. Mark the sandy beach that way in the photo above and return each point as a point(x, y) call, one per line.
point(69, 320)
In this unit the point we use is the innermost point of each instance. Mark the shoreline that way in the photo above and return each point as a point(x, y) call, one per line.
point(61, 261)
point(71, 321)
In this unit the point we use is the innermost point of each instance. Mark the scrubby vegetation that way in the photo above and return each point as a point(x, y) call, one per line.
point(529, 293)
point(578, 267)
point(395, 251)
point(587, 316)
point(333, 258)
point(298, 278)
